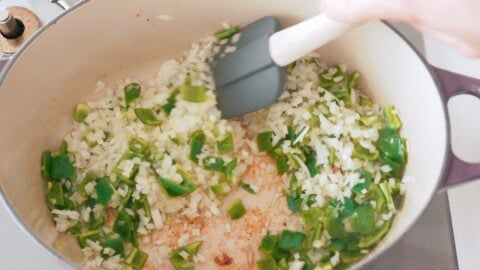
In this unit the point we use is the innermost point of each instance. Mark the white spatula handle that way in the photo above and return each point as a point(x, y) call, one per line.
point(293, 42)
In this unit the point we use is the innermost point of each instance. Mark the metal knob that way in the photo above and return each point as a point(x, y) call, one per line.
point(9, 26)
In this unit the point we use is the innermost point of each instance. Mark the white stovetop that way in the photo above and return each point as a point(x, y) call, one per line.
point(19, 250)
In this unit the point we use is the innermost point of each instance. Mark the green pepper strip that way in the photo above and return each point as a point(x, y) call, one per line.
point(55, 196)
point(95, 223)
point(227, 33)
point(369, 241)
point(220, 188)
point(146, 207)
point(236, 210)
point(116, 244)
point(313, 235)
point(104, 191)
point(137, 145)
point(181, 263)
point(268, 243)
point(81, 112)
point(267, 263)
point(225, 145)
point(171, 102)
point(364, 154)
point(92, 235)
point(123, 225)
point(46, 165)
point(363, 219)
point(352, 80)
point(147, 116)
point(391, 120)
point(186, 176)
point(358, 188)
point(62, 167)
point(136, 258)
point(391, 146)
point(370, 120)
point(228, 170)
point(129, 155)
point(264, 141)
point(335, 227)
point(174, 189)
point(193, 93)
point(290, 240)
point(247, 187)
point(387, 193)
point(213, 164)
point(132, 92)
point(196, 144)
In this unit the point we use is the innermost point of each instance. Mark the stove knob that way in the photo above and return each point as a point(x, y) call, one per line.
point(9, 26)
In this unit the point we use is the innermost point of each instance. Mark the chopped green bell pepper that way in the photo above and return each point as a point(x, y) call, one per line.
point(236, 209)
point(55, 195)
point(367, 177)
point(91, 235)
point(46, 165)
point(116, 244)
point(290, 240)
point(193, 93)
point(131, 92)
point(311, 164)
point(363, 219)
point(227, 33)
point(196, 144)
point(220, 188)
point(392, 120)
point(213, 164)
point(147, 116)
point(81, 112)
point(136, 258)
point(104, 191)
point(391, 146)
point(225, 145)
point(174, 189)
point(267, 263)
point(369, 241)
point(268, 243)
point(387, 194)
point(364, 153)
point(264, 141)
point(62, 167)
point(171, 102)
point(137, 145)
point(123, 225)
point(335, 227)
point(247, 187)
point(180, 262)
point(352, 80)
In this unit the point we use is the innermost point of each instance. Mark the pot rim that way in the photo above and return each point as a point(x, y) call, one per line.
point(444, 170)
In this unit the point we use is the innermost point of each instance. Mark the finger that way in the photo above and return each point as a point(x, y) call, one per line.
point(458, 44)
point(357, 11)
point(467, 50)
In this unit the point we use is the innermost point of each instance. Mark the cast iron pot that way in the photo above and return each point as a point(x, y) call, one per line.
point(109, 40)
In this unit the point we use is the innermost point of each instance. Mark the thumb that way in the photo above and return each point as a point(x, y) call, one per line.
point(357, 11)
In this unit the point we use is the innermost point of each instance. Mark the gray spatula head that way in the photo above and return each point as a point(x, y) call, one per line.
point(247, 79)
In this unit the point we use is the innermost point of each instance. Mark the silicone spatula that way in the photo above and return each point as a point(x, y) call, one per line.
point(253, 76)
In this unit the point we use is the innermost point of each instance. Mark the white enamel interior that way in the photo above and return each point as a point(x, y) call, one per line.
point(113, 39)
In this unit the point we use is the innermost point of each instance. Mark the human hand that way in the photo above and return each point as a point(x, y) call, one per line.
point(455, 22)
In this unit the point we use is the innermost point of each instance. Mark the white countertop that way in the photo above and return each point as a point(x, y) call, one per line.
point(19, 250)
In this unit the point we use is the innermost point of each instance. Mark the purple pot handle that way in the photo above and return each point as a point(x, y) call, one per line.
point(458, 171)
point(3, 63)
